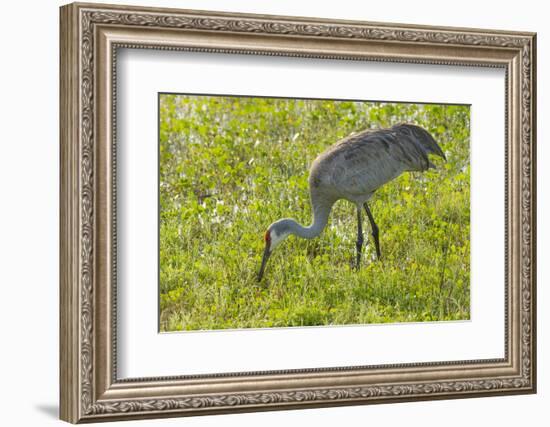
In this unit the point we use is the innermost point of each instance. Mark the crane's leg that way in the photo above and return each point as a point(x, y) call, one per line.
point(360, 240)
point(374, 230)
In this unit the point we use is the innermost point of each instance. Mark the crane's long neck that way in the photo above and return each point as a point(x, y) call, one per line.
point(321, 212)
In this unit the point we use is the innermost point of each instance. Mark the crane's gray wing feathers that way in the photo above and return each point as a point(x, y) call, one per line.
point(370, 160)
point(361, 163)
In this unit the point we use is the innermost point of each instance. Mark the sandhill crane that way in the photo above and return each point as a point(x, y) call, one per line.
point(353, 169)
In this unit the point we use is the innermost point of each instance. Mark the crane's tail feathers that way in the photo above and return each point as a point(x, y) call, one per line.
point(438, 151)
point(421, 136)
point(430, 144)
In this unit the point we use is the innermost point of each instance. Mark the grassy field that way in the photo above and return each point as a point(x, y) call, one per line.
point(230, 166)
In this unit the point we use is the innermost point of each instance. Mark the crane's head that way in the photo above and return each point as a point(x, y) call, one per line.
point(275, 234)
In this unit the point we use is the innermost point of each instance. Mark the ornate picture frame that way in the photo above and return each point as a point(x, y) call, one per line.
point(90, 37)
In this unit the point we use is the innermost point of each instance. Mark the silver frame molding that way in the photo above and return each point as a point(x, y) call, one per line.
point(90, 37)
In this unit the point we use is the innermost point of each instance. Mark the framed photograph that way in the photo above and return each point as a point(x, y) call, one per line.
point(266, 212)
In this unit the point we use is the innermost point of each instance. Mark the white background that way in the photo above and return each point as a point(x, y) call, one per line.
point(141, 348)
point(29, 171)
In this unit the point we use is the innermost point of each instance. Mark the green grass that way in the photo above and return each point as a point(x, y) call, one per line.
point(231, 166)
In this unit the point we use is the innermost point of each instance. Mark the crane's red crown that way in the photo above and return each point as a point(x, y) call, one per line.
point(267, 237)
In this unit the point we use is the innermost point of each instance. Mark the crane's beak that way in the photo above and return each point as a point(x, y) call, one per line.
point(267, 253)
